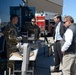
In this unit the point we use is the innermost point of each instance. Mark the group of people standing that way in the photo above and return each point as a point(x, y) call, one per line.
point(64, 37)
point(65, 44)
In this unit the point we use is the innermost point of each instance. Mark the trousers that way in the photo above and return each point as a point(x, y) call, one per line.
point(58, 55)
point(69, 66)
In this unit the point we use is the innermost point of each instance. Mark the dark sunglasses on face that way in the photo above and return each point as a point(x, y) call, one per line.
point(64, 22)
point(32, 21)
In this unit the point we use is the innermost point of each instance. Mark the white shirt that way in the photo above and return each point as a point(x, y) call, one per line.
point(68, 40)
point(57, 32)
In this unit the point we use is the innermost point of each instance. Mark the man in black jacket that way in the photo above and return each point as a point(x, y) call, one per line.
point(59, 31)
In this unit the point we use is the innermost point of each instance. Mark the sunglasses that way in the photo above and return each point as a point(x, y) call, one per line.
point(32, 21)
point(64, 22)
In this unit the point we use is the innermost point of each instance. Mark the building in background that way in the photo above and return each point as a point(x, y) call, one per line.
point(54, 6)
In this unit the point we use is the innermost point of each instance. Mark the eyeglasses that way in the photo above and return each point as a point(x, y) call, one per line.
point(64, 22)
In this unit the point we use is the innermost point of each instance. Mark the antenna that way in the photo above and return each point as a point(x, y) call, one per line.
point(25, 2)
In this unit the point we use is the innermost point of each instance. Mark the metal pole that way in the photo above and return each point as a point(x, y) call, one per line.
point(26, 2)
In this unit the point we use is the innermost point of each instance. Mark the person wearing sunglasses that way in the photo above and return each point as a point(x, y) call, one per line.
point(33, 29)
point(69, 47)
point(58, 34)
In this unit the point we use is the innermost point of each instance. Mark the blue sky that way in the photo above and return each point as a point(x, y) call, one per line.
point(69, 8)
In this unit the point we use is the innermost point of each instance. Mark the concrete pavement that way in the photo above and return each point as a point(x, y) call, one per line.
point(45, 64)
